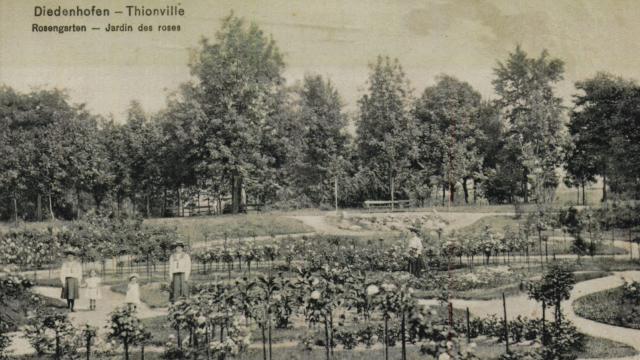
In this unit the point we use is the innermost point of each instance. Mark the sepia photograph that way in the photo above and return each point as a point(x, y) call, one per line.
point(319, 180)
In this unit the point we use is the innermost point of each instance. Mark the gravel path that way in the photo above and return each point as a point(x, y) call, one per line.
point(98, 318)
point(523, 306)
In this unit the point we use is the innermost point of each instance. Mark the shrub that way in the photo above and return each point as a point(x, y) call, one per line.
point(631, 293)
point(51, 333)
point(125, 327)
point(347, 338)
point(564, 341)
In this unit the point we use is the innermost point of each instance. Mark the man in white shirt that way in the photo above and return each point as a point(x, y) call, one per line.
point(71, 277)
point(414, 251)
point(180, 270)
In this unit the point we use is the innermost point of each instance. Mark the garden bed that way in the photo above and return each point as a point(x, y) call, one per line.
point(233, 226)
point(606, 307)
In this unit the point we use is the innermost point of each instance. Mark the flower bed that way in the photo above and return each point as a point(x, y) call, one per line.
point(619, 306)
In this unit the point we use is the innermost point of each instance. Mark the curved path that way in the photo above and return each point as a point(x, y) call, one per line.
point(97, 318)
point(523, 306)
point(455, 220)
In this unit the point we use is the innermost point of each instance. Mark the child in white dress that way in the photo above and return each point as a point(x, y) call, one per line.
point(133, 291)
point(93, 283)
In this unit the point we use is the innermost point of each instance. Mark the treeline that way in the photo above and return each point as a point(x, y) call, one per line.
point(237, 134)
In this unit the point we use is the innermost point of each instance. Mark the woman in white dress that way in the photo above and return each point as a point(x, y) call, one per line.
point(71, 277)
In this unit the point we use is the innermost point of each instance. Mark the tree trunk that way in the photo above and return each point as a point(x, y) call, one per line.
point(403, 337)
point(386, 339)
point(326, 336)
point(148, 207)
point(444, 192)
point(264, 343)
point(15, 209)
point(126, 349)
point(544, 325)
point(39, 208)
point(236, 193)
point(525, 187)
point(578, 196)
point(164, 202)
point(466, 190)
point(335, 193)
point(475, 191)
point(180, 209)
point(78, 210)
point(452, 192)
point(53, 218)
point(392, 193)
point(604, 186)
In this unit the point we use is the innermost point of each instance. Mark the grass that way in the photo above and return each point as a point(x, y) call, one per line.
point(599, 348)
point(605, 307)
point(497, 222)
point(233, 226)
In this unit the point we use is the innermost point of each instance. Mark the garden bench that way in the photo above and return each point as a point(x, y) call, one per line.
point(386, 204)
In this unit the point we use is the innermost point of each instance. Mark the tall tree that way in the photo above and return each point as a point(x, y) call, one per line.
point(449, 110)
point(237, 78)
point(526, 95)
point(324, 139)
point(385, 130)
point(593, 125)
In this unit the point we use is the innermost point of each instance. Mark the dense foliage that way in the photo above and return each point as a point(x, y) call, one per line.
point(236, 135)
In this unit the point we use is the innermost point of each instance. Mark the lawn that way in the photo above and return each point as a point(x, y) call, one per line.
point(233, 226)
point(606, 307)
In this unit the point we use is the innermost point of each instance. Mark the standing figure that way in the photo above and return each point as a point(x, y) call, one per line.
point(414, 251)
point(133, 292)
point(71, 277)
point(93, 288)
point(180, 269)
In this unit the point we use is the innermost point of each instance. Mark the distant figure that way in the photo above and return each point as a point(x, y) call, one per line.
point(133, 291)
point(71, 277)
point(414, 251)
point(180, 269)
point(93, 283)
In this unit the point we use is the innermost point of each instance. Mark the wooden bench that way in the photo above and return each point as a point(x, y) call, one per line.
point(253, 207)
point(386, 204)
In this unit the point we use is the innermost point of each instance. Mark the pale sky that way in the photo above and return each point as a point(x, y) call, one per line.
point(335, 38)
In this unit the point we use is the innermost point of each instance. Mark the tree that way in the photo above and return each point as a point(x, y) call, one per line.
point(525, 89)
point(625, 159)
point(593, 125)
point(490, 143)
point(142, 140)
point(324, 139)
point(554, 287)
point(446, 114)
point(125, 327)
point(35, 158)
point(384, 130)
point(237, 78)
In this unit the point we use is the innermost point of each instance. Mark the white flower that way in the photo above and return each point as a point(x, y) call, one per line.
point(372, 290)
point(315, 295)
point(444, 356)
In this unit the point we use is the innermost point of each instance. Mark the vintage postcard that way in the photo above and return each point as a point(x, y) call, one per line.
point(320, 180)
